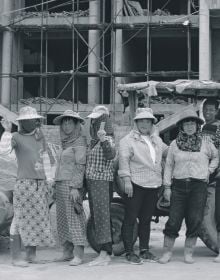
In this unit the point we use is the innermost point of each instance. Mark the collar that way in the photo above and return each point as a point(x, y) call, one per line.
point(135, 134)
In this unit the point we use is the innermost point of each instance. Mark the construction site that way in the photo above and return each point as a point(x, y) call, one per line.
point(74, 54)
point(59, 54)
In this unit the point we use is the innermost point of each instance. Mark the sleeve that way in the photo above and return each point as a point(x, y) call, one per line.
point(80, 163)
point(125, 155)
point(7, 143)
point(169, 165)
point(164, 149)
point(108, 147)
point(47, 166)
point(214, 157)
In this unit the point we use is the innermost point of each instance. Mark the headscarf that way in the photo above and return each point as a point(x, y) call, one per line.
point(94, 128)
point(32, 127)
point(67, 140)
point(189, 143)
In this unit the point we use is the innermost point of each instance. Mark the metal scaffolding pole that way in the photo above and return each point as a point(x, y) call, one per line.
point(189, 41)
point(41, 54)
point(73, 55)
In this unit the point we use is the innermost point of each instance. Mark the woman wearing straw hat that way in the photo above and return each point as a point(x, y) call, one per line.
point(69, 183)
point(140, 158)
point(189, 163)
point(99, 175)
point(31, 220)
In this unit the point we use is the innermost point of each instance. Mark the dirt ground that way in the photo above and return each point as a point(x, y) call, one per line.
point(204, 268)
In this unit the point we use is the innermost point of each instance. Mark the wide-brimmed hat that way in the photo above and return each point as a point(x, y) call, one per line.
point(70, 114)
point(98, 111)
point(28, 113)
point(145, 113)
point(189, 114)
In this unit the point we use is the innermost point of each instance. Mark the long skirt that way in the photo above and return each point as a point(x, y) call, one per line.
point(99, 201)
point(70, 225)
point(31, 213)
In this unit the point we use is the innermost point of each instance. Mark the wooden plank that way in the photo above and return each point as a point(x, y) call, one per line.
point(11, 116)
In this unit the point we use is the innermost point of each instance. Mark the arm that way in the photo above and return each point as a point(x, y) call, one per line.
point(165, 149)
point(214, 158)
point(80, 162)
point(168, 171)
point(125, 155)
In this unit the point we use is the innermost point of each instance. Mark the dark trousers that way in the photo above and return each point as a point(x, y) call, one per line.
point(188, 201)
point(217, 205)
point(141, 205)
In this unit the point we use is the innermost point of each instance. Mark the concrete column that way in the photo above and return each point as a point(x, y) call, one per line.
point(93, 62)
point(118, 12)
point(7, 39)
point(17, 65)
point(204, 41)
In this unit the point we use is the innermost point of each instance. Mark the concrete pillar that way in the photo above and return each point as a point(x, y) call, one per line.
point(118, 12)
point(93, 62)
point(204, 41)
point(7, 39)
point(17, 65)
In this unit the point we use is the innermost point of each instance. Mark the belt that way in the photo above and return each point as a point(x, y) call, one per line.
point(185, 180)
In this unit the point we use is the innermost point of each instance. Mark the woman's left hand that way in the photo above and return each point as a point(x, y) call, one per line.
point(101, 135)
point(74, 195)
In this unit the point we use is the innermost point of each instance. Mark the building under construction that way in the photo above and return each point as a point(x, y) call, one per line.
point(58, 54)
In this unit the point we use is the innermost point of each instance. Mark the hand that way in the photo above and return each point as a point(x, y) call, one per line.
point(51, 182)
point(167, 194)
point(7, 125)
point(74, 195)
point(128, 187)
point(101, 135)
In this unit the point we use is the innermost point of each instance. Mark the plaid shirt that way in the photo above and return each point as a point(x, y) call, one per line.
point(100, 161)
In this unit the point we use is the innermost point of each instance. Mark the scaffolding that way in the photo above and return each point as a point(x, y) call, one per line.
point(103, 29)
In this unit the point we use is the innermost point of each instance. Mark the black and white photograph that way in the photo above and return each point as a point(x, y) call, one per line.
point(109, 139)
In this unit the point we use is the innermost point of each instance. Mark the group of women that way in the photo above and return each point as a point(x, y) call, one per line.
point(189, 162)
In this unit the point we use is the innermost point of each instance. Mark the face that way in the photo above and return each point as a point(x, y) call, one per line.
point(144, 126)
point(68, 125)
point(209, 112)
point(189, 127)
point(30, 125)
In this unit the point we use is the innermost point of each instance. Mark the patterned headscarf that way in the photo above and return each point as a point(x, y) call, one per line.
point(94, 128)
point(67, 140)
point(189, 143)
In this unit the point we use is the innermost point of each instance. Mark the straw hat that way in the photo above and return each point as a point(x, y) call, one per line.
point(98, 111)
point(28, 113)
point(189, 114)
point(145, 113)
point(70, 114)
